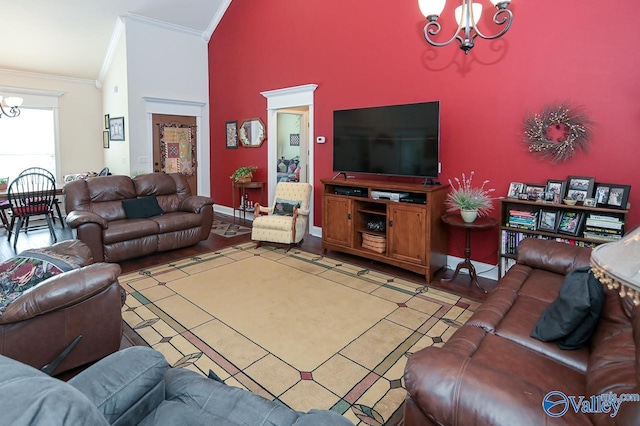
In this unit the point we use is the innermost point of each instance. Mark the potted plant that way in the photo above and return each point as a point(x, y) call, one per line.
point(243, 174)
point(471, 202)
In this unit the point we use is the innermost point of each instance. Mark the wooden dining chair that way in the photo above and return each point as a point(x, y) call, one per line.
point(31, 194)
point(56, 202)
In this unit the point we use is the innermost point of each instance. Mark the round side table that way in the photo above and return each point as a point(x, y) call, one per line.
point(454, 219)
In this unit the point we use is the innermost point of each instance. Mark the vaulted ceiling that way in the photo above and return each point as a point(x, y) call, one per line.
point(70, 38)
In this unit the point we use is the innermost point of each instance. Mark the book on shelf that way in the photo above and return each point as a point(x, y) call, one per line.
point(601, 230)
point(602, 237)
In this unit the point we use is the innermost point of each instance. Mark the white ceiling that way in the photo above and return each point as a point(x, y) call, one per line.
point(70, 37)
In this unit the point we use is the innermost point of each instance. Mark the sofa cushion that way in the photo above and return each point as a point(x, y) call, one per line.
point(573, 316)
point(142, 208)
point(129, 229)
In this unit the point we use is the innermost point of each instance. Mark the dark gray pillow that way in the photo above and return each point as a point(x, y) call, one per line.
point(571, 319)
point(143, 207)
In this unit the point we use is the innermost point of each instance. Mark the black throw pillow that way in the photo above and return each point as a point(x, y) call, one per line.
point(139, 208)
point(571, 319)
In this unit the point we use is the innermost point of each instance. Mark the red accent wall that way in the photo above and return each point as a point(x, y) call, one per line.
point(373, 53)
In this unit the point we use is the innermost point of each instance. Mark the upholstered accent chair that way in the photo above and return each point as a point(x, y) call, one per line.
point(285, 222)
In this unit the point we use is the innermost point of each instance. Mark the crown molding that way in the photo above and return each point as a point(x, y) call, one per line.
point(165, 25)
point(216, 20)
point(118, 31)
point(31, 74)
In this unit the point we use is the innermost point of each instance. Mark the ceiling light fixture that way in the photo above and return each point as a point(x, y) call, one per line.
point(468, 15)
point(13, 104)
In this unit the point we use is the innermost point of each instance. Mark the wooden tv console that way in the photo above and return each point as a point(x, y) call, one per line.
point(414, 236)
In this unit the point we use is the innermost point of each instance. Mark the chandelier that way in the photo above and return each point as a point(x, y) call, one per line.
point(13, 104)
point(468, 15)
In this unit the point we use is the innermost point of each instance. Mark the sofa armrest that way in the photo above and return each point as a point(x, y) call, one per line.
point(552, 256)
point(125, 386)
point(76, 218)
point(450, 388)
point(195, 203)
point(61, 291)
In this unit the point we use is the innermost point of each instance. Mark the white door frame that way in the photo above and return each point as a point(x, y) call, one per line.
point(290, 97)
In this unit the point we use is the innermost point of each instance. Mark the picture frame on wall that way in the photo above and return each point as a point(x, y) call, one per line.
point(570, 222)
point(555, 190)
point(231, 128)
point(116, 129)
point(105, 139)
point(612, 195)
point(579, 187)
point(548, 220)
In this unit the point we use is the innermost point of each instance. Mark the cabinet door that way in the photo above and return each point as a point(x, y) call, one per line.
point(406, 233)
point(337, 220)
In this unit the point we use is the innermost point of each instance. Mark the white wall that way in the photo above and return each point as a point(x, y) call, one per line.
point(170, 64)
point(115, 102)
point(80, 118)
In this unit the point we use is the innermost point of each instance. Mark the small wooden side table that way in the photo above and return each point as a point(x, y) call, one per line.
point(454, 219)
point(241, 188)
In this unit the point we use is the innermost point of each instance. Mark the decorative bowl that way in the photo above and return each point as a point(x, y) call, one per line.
point(570, 202)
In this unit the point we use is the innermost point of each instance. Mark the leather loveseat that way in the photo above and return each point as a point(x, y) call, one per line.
point(491, 372)
point(165, 214)
point(68, 296)
point(135, 386)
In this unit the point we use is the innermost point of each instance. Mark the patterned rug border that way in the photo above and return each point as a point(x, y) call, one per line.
point(226, 229)
point(453, 311)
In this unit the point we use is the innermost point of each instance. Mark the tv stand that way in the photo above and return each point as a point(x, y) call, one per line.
point(408, 232)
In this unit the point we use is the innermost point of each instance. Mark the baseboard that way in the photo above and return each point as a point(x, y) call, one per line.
point(484, 270)
point(228, 211)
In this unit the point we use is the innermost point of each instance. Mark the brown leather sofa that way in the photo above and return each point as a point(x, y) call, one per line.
point(491, 372)
point(95, 209)
point(87, 301)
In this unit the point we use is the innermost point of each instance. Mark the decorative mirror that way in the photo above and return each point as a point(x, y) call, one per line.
point(251, 133)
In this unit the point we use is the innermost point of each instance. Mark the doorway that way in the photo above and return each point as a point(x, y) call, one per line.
point(292, 144)
point(174, 146)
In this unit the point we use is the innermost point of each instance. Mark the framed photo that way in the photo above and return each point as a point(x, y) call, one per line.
point(535, 192)
point(555, 190)
point(106, 121)
point(579, 188)
point(570, 222)
point(105, 139)
point(548, 220)
point(515, 189)
point(232, 134)
point(612, 195)
point(116, 129)
point(589, 202)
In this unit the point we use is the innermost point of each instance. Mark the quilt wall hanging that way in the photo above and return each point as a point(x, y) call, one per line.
point(178, 148)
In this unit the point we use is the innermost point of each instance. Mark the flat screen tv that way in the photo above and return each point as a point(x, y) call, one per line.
point(397, 140)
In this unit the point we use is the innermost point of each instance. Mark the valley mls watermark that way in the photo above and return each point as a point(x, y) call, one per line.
point(556, 403)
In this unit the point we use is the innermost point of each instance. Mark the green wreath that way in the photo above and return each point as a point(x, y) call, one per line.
point(557, 133)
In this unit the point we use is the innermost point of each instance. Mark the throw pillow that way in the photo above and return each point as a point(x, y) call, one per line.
point(573, 316)
point(285, 207)
point(23, 273)
point(142, 208)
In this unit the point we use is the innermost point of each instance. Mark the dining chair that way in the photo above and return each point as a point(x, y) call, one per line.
point(56, 201)
point(31, 194)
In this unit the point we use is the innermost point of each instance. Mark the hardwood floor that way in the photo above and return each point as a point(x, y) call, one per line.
point(40, 238)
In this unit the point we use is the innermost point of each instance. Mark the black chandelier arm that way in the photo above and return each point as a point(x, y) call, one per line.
point(433, 28)
point(13, 111)
point(501, 17)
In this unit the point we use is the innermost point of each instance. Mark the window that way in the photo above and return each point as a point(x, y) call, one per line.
point(27, 141)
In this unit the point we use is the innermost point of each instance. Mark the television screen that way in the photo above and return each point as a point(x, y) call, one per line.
point(400, 140)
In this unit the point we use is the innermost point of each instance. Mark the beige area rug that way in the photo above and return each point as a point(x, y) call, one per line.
point(303, 329)
point(228, 230)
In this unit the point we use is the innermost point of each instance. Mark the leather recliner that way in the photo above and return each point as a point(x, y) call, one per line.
point(39, 325)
